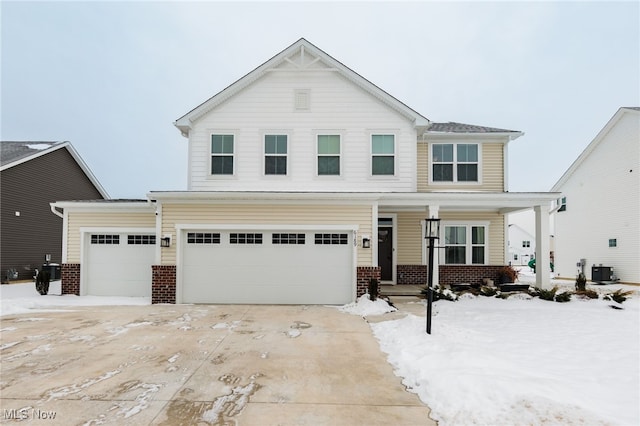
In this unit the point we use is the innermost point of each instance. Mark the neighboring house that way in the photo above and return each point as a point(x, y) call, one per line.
point(597, 218)
point(522, 245)
point(34, 174)
point(305, 182)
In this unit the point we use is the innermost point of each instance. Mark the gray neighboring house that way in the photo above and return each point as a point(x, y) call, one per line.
point(32, 175)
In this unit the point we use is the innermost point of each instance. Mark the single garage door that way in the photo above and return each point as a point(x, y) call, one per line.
point(271, 267)
point(119, 264)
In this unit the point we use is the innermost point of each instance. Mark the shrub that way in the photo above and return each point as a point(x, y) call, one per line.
point(589, 294)
point(563, 297)
point(545, 294)
point(618, 296)
point(488, 291)
point(441, 293)
point(581, 282)
point(507, 274)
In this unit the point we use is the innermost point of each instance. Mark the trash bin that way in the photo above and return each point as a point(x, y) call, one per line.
point(53, 269)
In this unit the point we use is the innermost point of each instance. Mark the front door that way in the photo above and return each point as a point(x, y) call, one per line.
point(385, 252)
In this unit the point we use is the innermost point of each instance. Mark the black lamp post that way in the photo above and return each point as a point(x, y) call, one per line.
point(432, 233)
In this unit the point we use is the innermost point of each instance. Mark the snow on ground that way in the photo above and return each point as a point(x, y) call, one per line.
point(365, 307)
point(23, 298)
point(519, 361)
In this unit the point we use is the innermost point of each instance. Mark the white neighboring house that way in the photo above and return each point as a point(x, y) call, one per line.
point(522, 245)
point(598, 216)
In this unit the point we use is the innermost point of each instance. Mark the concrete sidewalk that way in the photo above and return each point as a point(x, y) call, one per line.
point(199, 364)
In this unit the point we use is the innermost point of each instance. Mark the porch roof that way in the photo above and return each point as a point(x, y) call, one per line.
point(504, 202)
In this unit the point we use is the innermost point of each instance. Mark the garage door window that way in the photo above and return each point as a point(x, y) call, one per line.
point(243, 238)
point(105, 239)
point(203, 238)
point(141, 239)
point(332, 239)
point(287, 239)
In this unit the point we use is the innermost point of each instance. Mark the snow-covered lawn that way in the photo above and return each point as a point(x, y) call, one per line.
point(23, 298)
point(519, 361)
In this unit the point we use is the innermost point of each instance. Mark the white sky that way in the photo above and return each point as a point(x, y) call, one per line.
point(111, 77)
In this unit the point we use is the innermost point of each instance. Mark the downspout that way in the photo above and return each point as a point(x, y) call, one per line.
point(55, 211)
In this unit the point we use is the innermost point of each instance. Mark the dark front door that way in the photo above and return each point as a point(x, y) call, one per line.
point(385, 252)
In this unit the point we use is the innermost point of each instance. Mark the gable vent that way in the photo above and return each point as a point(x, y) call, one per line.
point(301, 99)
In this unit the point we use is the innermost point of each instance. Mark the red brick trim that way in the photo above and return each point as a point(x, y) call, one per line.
point(412, 274)
point(70, 278)
point(364, 276)
point(163, 284)
point(471, 274)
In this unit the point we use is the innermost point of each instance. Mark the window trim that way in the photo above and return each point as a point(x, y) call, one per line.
point(339, 155)
point(394, 155)
point(264, 154)
point(223, 132)
point(469, 242)
point(455, 163)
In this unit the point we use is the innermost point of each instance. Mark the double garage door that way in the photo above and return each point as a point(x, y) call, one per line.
point(270, 267)
point(118, 264)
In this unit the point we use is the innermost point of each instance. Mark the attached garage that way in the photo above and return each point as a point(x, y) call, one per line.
point(267, 266)
point(118, 263)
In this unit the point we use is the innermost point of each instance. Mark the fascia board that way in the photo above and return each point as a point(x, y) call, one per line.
point(97, 206)
point(259, 197)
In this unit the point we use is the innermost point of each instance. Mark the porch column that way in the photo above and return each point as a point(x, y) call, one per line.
point(542, 246)
point(433, 213)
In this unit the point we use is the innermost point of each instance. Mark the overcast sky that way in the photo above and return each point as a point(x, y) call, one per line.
point(112, 77)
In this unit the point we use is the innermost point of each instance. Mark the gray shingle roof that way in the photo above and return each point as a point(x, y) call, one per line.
point(452, 127)
point(16, 151)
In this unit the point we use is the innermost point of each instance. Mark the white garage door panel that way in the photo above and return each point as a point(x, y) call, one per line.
point(267, 273)
point(119, 269)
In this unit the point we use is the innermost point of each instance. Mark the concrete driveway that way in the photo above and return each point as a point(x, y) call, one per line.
point(199, 365)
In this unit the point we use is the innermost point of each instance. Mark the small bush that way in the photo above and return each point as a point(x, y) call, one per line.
point(563, 297)
point(507, 274)
point(441, 293)
point(618, 296)
point(488, 291)
point(587, 294)
point(581, 282)
point(545, 294)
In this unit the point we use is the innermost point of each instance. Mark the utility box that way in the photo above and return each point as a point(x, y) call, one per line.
point(601, 273)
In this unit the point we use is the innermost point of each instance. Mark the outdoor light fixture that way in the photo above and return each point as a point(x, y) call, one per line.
point(165, 241)
point(47, 258)
point(366, 242)
point(432, 233)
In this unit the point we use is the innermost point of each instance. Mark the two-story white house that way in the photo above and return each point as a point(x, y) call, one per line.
point(597, 217)
point(305, 181)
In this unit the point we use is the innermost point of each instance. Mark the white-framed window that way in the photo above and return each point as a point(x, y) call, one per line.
point(275, 154)
point(562, 204)
point(383, 155)
point(455, 162)
point(613, 242)
point(222, 154)
point(466, 244)
point(526, 244)
point(328, 148)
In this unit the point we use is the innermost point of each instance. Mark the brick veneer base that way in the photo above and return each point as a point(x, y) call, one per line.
point(70, 278)
point(163, 284)
point(472, 274)
point(365, 273)
point(412, 274)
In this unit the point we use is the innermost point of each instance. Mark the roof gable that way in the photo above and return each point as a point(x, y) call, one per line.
point(15, 153)
point(594, 143)
point(302, 55)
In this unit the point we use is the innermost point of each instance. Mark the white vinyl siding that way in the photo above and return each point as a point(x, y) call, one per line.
point(335, 103)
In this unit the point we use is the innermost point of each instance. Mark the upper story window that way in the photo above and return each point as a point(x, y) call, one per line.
point(465, 244)
point(383, 152)
point(275, 154)
point(526, 243)
point(454, 162)
point(221, 154)
point(328, 155)
point(562, 204)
